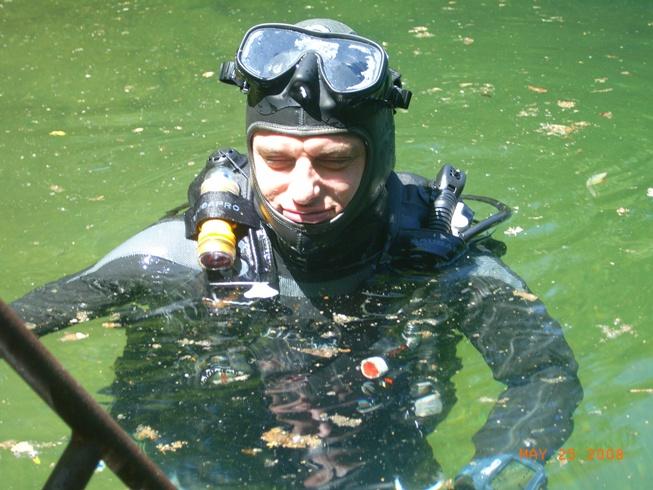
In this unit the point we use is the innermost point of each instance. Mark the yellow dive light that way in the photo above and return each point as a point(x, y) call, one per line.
point(216, 241)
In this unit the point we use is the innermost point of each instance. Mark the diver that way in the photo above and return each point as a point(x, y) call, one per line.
point(296, 326)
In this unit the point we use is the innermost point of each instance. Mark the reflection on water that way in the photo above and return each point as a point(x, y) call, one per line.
point(339, 392)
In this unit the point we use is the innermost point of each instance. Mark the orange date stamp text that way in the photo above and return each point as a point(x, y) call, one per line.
point(569, 454)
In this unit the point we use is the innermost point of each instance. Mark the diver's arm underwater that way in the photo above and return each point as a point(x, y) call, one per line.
point(526, 350)
point(158, 266)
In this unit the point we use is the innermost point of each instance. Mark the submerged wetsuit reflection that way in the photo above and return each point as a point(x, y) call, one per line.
point(270, 394)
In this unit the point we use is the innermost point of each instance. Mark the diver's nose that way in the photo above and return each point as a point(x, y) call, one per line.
point(304, 185)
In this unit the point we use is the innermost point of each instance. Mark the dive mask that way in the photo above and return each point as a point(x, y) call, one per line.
point(351, 68)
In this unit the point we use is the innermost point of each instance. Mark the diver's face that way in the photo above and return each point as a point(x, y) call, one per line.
point(309, 179)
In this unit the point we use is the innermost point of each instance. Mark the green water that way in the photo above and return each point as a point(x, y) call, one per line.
point(107, 112)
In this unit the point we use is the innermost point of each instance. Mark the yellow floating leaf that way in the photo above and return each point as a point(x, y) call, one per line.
point(513, 231)
point(537, 90)
point(253, 451)
point(595, 180)
point(278, 437)
point(555, 129)
point(73, 337)
point(172, 447)
point(57, 132)
point(146, 432)
point(524, 295)
point(343, 421)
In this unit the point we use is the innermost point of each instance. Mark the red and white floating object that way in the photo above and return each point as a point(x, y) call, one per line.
point(374, 367)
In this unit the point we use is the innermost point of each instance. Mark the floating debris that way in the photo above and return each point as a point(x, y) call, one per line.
point(468, 41)
point(80, 317)
point(620, 329)
point(432, 90)
point(513, 231)
point(171, 447)
point(146, 432)
point(623, 211)
point(566, 104)
point(202, 343)
point(57, 132)
point(56, 188)
point(278, 437)
point(23, 449)
point(74, 337)
point(487, 399)
point(537, 90)
point(326, 351)
point(530, 111)
point(641, 390)
point(208, 74)
point(553, 18)
point(595, 180)
point(343, 319)
point(649, 192)
point(486, 90)
point(524, 295)
point(420, 31)
point(251, 451)
point(607, 115)
point(563, 130)
point(137, 130)
point(96, 198)
point(342, 421)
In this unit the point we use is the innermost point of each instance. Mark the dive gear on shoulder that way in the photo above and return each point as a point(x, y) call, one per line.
point(445, 230)
point(216, 241)
point(216, 209)
point(448, 185)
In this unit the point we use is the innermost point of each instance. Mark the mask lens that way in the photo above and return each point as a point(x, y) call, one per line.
point(348, 65)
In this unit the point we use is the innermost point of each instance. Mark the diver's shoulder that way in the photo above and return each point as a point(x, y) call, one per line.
point(483, 259)
point(163, 240)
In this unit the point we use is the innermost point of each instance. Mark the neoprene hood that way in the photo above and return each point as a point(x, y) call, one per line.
point(302, 101)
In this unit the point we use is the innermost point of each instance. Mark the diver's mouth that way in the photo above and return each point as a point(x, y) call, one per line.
point(309, 216)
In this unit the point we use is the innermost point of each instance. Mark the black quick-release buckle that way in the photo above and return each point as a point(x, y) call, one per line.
point(229, 74)
point(399, 97)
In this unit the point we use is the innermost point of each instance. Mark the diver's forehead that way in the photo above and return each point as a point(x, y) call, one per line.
point(346, 142)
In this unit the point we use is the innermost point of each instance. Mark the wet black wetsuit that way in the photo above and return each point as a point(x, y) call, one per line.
point(268, 392)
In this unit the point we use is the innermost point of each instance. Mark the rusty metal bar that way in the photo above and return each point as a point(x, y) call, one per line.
point(95, 434)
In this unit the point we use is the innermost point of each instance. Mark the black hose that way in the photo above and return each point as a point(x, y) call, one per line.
point(502, 214)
